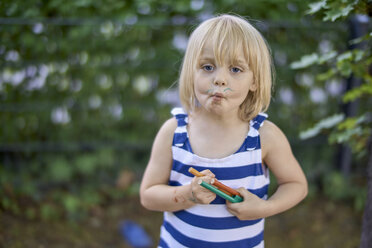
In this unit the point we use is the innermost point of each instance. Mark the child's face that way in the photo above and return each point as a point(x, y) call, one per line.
point(222, 88)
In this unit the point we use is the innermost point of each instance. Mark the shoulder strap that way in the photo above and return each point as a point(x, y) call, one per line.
point(253, 138)
point(180, 116)
point(180, 134)
point(258, 121)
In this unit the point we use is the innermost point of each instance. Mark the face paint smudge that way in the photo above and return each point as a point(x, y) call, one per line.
point(210, 91)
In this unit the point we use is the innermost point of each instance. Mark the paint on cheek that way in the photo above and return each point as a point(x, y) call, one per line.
point(227, 89)
point(210, 91)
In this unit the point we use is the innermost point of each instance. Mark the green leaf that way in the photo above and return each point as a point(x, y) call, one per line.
point(83, 3)
point(315, 7)
point(60, 170)
point(48, 211)
point(326, 75)
point(344, 136)
point(305, 61)
point(351, 95)
point(360, 39)
point(326, 123)
point(337, 186)
point(351, 122)
point(359, 55)
point(86, 164)
point(344, 65)
point(6, 203)
point(345, 56)
point(91, 197)
point(71, 203)
point(338, 10)
point(328, 56)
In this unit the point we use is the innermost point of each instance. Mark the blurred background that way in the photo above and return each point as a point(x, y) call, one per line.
point(85, 86)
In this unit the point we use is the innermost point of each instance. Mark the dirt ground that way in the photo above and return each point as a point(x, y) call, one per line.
point(314, 223)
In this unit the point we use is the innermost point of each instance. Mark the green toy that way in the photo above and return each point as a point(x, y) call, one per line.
point(233, 199)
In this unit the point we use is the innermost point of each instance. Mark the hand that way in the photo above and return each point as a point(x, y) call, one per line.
point(251, 208)
point(200, 194)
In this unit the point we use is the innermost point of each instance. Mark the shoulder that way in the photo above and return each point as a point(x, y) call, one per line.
point(164, 138)
point(271, 137)
point(168, 128)
point(269, 130)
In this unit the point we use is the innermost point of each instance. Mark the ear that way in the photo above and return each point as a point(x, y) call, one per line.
point(253, 86)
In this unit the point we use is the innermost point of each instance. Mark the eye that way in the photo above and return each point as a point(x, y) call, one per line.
point(207, 67)
point(235, 70)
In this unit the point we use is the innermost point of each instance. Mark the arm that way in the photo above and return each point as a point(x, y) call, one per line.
point(292, 184)
point(155, 193)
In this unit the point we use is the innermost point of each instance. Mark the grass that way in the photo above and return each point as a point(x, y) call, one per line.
point(314, 223)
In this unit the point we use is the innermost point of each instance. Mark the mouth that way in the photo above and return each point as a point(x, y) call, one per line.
point(217, 96)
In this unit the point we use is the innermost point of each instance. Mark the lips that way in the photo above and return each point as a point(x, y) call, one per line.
point(220, 95)
point(217, 96)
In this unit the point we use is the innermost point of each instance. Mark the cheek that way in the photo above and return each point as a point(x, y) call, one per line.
point(239, 91)
point(199, 89)
point(239, 96)
point(242, 89)
point(201, 86)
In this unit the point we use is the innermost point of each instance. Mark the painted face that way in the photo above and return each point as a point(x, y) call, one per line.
point(222, 88)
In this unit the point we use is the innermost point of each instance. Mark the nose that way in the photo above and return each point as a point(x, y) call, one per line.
point(219, 82)
point(220, 79)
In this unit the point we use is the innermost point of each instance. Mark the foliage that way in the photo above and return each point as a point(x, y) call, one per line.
point(334, 9)
point(337, 189)
point(356, 63)
point(338, 64)
point(85, 85)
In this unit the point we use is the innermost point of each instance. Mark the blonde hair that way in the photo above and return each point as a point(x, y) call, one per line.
point(228, 34)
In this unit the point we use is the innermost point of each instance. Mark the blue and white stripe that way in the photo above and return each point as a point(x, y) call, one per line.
point(212, 225)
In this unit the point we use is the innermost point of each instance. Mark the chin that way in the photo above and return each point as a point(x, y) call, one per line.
point(216, 109)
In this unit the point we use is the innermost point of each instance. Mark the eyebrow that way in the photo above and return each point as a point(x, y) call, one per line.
point(239, 62)
point(206, 59)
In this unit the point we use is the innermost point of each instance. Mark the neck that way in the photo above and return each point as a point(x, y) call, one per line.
point(230, 119)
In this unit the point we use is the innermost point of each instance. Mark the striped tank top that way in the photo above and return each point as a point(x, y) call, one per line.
point(212, 225)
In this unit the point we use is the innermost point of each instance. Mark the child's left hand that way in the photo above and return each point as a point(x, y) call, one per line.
point(251, 208)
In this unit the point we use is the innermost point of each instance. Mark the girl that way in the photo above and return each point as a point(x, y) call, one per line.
point(225, 84)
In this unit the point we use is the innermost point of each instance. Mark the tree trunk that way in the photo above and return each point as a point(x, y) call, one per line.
point(358, 26)
point(366, 240)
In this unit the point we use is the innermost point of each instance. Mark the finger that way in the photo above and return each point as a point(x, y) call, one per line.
point(228, 205)
point(233, 206)
point(197, 188)
point(206, 179)
point(244, 192)
point(211, 196)
point(204, 196)
point(231, 209)
point(206, 190)
point(208, 173)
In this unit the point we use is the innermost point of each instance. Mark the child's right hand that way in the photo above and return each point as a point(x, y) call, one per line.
point(200, 194)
